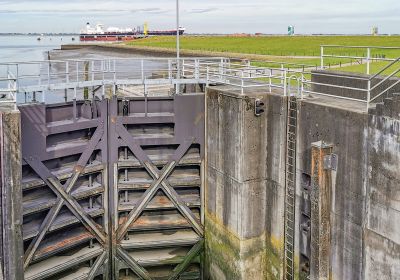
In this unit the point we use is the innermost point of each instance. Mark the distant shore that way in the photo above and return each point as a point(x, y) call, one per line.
point(163, 52)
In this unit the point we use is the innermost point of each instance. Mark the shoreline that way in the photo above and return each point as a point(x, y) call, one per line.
point(165, 52)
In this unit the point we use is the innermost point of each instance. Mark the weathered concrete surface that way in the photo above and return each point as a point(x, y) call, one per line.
point(348, 80)
point(245, 186)
point(322, 120)
point(382, 232)
point(11, 247)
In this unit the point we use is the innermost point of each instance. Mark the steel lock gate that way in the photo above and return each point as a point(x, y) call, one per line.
point(112, 189)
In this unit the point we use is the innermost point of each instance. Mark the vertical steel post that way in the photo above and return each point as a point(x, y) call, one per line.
point(77, 71)
point(16, 84)
point(242, 83)
point(369, 94)
point(48, 75)
point(285, 83)
point(178, 75)
point(270, 80)
point(86, 78)
point(170, 70)
point(368, 60)
point(208, 76)
point(142, 69)
point(322, 57)
point(92, 70)
point(67, 71)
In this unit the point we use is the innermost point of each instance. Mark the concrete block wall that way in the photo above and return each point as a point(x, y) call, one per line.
point(245, 186)
point(382, 225)
point(350, 80)
point(345, 130)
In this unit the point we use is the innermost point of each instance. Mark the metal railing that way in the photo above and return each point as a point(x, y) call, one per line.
point(362, 54)
point(47, 77)
point(9, 93)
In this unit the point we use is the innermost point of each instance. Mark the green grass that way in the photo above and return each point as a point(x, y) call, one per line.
point(298, 51)
point(276, 45)
point(375, 67)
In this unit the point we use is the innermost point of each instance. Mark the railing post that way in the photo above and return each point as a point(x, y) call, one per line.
point(142, 69)
point(221, 67)
point(16, 84)
point(93, 70)
point(285, 83)
point(197, 69)
point(67, 71)
point(115, 70)
point(322, 57)
point(77, 71)
point(369, 94)
point(170, 70)
point(270, 80)
point(208, 76)
point(242, 83)
point(48, 75)
point(368, 60)
point(302, 87)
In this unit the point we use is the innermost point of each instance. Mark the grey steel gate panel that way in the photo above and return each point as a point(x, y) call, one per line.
point(156, 194)
point(64, 190)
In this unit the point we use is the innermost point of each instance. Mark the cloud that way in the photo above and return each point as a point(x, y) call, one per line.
point(222, 16)
point(201, 11)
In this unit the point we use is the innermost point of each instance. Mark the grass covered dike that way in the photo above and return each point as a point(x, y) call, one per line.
point(301, 50)
point(272, 45)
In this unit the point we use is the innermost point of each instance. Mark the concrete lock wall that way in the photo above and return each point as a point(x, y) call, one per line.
point(245, 186)
point(352, 205)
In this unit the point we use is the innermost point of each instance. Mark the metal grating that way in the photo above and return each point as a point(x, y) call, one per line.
point(112, 189)
point(290, 196)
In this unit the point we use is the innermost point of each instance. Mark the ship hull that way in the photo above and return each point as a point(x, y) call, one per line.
point(108, 37)
point(114, 37)
point(164, 33)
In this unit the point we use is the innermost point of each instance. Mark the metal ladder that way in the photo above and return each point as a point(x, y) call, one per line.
point(290, 196)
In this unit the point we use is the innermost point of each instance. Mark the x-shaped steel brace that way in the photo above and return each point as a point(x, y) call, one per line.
point(178, 270)
point(64, 196)
point(159, 179)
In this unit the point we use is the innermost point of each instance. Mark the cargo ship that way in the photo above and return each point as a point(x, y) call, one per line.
point(99, 33)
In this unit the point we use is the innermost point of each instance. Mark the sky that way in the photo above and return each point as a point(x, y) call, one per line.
point(205, 16)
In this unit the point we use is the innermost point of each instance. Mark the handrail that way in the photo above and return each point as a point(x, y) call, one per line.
point(385, 68)
point(386, 78)
point(389, 88)
point(361, 47)
point(112, 72)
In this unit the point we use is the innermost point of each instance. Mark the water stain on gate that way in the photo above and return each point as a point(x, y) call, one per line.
point(112, 189)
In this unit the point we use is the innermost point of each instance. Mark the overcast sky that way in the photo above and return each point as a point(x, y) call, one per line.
point(204, 16)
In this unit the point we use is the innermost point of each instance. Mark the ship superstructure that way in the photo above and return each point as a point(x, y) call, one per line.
point(100, 33)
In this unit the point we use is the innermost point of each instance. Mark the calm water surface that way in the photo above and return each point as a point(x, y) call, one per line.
point(28, 48)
